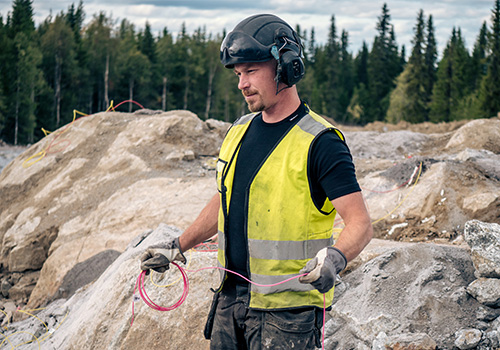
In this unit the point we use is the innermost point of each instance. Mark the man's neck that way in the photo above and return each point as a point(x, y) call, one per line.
point(286, 105)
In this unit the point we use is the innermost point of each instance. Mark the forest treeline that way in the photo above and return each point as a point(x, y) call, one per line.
point(62, 65)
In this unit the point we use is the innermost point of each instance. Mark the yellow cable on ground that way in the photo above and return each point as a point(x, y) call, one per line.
point(13, 347)
point(40, 155)
point(29, 314)
point(46, 335)
point(59, 325)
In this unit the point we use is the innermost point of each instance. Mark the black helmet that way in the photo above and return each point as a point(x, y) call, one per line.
point(260, 38)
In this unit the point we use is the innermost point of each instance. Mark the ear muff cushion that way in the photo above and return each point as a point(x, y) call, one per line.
point(291, 68)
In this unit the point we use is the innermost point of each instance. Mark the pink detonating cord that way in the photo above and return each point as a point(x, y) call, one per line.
point(147, 300)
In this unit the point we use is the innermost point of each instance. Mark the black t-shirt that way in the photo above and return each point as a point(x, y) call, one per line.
point(332, 175)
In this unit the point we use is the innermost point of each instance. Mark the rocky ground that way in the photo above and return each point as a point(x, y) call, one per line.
point(73, 204)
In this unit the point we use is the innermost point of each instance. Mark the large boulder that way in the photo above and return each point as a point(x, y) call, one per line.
point(419, 289)
point(109, 313)
point(98, 182)
point(484, 242)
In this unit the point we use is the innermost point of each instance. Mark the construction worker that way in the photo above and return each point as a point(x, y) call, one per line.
point(283, 173)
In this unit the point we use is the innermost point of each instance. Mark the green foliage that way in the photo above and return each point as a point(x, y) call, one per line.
point(453, 82)
point(489, 93)
point(384, 65)
point(62, 65)
point(4, 44)
point(399, 105)
point(28, 78)
point(416, 105)
point(59, 66)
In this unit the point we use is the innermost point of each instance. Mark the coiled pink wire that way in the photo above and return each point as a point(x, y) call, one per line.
point(142, 291)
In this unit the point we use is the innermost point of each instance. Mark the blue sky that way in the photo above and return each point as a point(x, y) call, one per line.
point(357, 17)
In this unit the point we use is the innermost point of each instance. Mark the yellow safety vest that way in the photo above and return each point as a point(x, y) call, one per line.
point(284, 228)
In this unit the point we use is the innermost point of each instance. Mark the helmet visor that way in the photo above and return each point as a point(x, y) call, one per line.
point(239, 47)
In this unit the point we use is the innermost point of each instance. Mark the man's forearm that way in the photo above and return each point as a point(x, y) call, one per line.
point(204, 227)
point(354, 238)
point(358, 230)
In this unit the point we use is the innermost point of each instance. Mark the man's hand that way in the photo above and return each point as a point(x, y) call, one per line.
point(323, 269)
point(159, 256)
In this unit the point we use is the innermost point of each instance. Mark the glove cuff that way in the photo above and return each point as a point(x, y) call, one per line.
point(178, 247)
point(340, 261)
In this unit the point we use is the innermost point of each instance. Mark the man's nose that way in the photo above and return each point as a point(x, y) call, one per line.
point(243, 82)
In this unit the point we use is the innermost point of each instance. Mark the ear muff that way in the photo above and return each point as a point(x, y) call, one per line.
point(287, 53)
point(290, 68)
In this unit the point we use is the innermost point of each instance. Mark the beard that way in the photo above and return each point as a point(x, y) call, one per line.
point(255, 103)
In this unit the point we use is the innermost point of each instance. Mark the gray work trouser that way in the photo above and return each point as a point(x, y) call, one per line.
point(236, 327)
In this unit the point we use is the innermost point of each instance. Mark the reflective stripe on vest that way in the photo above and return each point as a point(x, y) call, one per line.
point(284, 228)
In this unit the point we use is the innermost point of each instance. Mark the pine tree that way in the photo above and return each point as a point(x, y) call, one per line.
point(3, 58)
point(22, 74)
point(383, 67)
point(399, 105)
point(346, 81)
point(22, 18)
point(81, 80)
point(147, 43)
point(361, 66)
point(100, 45)
point(416, 74)
point(359, 103)
point(59, 51)
point(402, 57)
point(479, 64)
point(430, 60)
point(28, 79)
point(133, 66)
point(75, 19)
point(331, 84)
point(311, 48)
point(451, 85)
point(164, 67)
point(489, 95)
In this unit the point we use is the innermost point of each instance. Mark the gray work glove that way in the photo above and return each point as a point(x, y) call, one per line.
point(323, 269)
point(159, 256)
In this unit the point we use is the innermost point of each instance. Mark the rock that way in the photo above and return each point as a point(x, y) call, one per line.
point(486, 291)
point(488, 141)
point(9, 308)
point(418, 288)
point(22, 289)
point(188, 155)
point(487, 314)
point(217, 125)
point(109, 182)
point(480, 201)
point(174, 156)
point(468, 338)
point(85, 272)
point(484, 241)
point(5, 286)
point(406, 341)
point(494, 338)
point(105, 314)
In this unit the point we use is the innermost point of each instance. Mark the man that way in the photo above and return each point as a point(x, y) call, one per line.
point(283, 173)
